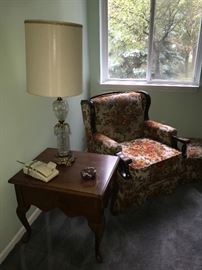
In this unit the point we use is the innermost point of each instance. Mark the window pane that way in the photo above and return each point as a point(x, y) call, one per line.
point(128, 31)
point(176, 28)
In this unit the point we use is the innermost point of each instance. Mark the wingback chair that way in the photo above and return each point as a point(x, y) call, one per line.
point(117, 123)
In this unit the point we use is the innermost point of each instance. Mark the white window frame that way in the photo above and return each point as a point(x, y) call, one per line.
point(147, 83)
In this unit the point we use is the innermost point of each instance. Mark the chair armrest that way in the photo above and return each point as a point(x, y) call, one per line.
point(106, 145)
point(183, 141)
point(160, 132)
point(123, 165)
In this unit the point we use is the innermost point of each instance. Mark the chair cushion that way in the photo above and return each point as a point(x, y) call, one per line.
point(151, 160)
point(146, 152)
point(117, 113)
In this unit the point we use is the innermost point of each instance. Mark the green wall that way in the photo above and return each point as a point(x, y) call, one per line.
point(179, 108)
point(27, 121)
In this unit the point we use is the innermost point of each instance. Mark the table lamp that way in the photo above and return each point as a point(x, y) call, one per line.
point(54, 69)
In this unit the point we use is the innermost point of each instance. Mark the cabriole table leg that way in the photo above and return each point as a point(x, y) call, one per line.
point(98, 229)
point(21, 213)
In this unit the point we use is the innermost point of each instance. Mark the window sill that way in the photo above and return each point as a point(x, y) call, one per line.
point(123, 84)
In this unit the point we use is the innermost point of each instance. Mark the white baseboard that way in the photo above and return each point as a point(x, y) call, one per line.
point(18, 236)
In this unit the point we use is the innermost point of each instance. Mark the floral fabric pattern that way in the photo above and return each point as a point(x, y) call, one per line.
point(194, 149)
point(105, 145)
point(120, 127)
point(87, 123)
point(146, 152)
point(160, 132)
point(117, 113)
point(154, 170)
point(194, 161)
point(128, 193)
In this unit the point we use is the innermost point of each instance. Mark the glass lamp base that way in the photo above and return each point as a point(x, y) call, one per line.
point(65, 160)
point(62, 131)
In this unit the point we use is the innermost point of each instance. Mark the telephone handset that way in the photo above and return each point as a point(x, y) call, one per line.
point(41, 170)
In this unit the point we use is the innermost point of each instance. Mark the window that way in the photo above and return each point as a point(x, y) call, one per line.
point(151, 41)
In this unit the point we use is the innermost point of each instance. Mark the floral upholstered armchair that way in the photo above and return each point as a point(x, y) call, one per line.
point(117, 123)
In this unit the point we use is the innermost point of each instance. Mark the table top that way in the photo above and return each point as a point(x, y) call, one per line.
point(69, 179)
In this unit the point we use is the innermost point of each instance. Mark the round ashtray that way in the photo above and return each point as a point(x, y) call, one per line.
point(88, 173)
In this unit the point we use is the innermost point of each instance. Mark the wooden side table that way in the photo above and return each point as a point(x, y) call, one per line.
point(69, 192)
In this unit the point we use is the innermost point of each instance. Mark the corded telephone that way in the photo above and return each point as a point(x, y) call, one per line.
point(40, 170)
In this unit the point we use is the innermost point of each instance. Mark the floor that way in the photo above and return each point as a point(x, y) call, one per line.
point(164, 234)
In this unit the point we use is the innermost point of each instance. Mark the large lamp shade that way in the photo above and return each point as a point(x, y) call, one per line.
point(53, 58)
